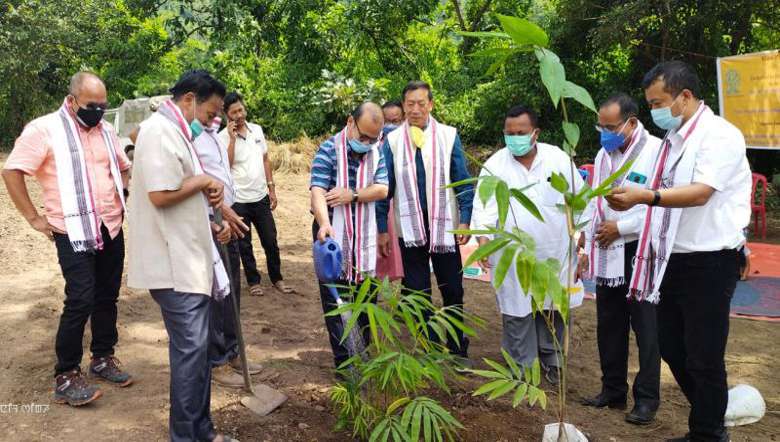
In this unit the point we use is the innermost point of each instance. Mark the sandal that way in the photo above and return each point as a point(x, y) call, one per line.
point(279, 285)
point(256, 290)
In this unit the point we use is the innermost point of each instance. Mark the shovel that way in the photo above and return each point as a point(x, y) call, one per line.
point(262, 399)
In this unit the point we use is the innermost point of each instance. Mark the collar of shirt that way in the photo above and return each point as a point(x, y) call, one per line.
point(248, 131)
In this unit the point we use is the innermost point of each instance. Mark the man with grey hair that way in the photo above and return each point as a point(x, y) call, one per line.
point(76, 158)
point(340, 200)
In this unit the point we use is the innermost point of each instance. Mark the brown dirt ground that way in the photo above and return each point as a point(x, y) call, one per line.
point(288, 334)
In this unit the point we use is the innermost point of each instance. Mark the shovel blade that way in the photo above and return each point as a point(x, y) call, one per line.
point(264, 400)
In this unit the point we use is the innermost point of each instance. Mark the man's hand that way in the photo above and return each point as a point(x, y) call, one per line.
point(338, 196)
point(582, 266)
point(272, 197)
point(462, 239)
point(41, 224)
point(237, 226)
point(607, 233)
point(624, 198)
point(383, 244)
point(214, 191)
point(484, 262)
point(231, 130)
point(324, 232)
point(223, 233)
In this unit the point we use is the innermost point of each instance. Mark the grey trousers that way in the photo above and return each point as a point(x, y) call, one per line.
point(526, 338)
point(186, 318)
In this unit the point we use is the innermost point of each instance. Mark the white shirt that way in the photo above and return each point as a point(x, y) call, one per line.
point(720, 163)
point(248, 169)
point(214, 159)
point(551, 236)
point(629, 223)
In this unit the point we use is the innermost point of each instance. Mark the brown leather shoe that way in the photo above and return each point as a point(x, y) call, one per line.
point(226, 377)
point(252, 367)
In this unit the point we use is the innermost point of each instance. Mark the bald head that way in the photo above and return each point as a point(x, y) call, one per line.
point(85, 81)
point(367, 121)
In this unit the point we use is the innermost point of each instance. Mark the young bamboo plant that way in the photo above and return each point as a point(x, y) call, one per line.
point(516, 248)
point(384, 392)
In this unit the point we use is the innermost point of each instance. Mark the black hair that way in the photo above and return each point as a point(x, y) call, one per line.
point(231, 99)
point(676, 75)
point(519, 110)
point(199, 82)
point(393, 103)
point(415, 85)
point(627, 105)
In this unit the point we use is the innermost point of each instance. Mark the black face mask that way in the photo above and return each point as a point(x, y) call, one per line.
point(89, 117)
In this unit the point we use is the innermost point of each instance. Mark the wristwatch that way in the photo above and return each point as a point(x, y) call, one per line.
point(354, 196)
point(656, 198)
point(270, 184)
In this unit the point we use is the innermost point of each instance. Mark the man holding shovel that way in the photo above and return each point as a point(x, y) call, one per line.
point(172, 253)
point(348, 175)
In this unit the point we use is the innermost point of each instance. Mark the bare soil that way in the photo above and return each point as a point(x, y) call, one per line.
point(287, 333)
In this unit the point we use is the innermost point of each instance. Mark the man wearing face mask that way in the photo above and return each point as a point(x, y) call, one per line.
point(341, 200)
point(172, 252)
point(687, 259)
point(610, 244)
point(526, 162)
point(78, 162)
point(423, 157)
point(394, 116)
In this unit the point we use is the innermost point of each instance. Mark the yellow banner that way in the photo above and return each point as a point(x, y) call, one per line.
point(749, 93)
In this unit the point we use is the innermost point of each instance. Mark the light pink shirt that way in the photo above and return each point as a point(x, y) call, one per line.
point(33, 155)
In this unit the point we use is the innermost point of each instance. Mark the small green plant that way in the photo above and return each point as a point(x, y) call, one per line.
point(539, 278)
point(386, 392)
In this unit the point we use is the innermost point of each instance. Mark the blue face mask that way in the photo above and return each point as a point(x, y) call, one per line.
point(196, 128)
point(359, 147)
point(664, 119)
point(518, 145)
point(612, 141)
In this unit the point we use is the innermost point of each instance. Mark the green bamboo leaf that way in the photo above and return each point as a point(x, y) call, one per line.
point(526, 203)
point(524, 267)
point(490, 386)
point(543, 399)
point(572, 133)
point(506, 260)
point(487, 187)
point(539, 281)
point(378, 430)
point(426, 426)
point(469, 180)
point(558, 182)
point(519, 394)
point(414, 434)
point(512, 365)
point(502, 201)
point(533, 395)
point(484, 34)
point(487, 374)
point(578, 94)
point(606, 185)
point(502, 390)
point(485, 250)
point(400, 402)
point(553, 74)
point(523, 32)
point(536, 372)
point(498, 367)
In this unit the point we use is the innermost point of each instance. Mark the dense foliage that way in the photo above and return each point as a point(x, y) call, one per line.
point(303, 63)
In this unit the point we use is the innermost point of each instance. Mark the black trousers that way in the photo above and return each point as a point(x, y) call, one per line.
point(334, 324)
point(693, 328)
point(448, 270)
point(259, 214)
point(223, 341)
point(92, 281)
point(616, 315)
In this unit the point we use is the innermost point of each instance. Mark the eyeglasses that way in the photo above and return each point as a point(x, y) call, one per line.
point(611, 127)
point(363, 138)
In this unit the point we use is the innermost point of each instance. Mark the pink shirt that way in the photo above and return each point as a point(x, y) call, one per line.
point(33, 155)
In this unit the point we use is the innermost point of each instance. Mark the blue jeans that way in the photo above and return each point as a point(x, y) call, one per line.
point(186, 317)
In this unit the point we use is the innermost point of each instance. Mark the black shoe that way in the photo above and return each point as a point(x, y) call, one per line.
point(602, 400)
point(641, 415)
point(552, 375)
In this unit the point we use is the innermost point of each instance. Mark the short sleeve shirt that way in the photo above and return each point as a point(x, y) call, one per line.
point(248, 167)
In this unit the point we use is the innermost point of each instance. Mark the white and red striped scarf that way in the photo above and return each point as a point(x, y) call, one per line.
point(82, 221)
point(169, 110)
point(439, 216)
point(659, 229)
point(356, 234)
point(607, 264)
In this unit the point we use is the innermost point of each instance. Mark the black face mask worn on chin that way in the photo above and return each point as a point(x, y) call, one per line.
point(89, 117)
